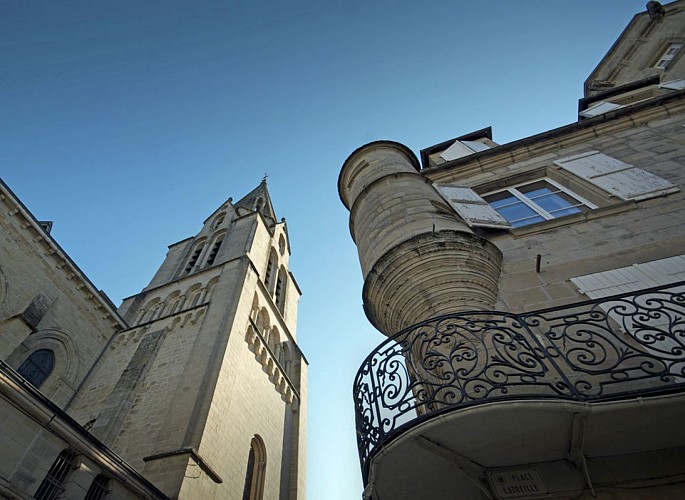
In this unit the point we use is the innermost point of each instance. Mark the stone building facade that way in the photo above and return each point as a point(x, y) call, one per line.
point(532, 296)
point(193, 388)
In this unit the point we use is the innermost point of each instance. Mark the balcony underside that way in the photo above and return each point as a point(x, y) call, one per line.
point(624, 446)
point(561, 402)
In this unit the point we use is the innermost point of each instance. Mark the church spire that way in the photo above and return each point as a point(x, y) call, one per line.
point(259, 200)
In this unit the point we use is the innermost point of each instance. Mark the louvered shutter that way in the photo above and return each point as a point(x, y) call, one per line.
point(456, 150)
point(674, 84)
point(462, 148)
point(475, 211)
point(599, 108)
point(475, 145)
point(616, 177)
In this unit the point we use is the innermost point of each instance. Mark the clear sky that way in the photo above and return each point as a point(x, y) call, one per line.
point(128, 122)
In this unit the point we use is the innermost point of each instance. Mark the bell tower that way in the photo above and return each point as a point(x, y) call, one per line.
point(205, 392)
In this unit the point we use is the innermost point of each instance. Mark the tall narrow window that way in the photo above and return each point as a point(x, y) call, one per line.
point(38, 367)
point(214, 251)
point(256, 469)
point(193, 259)
point(97, 489)
point(279, 294)
point(195, 298)
point(52, 486)
point(271, 271)
point(174, 305)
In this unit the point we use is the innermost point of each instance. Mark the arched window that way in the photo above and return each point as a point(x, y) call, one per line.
point(254, 312)
point(38, 367)
point(256, 469)
point(214, 250)
point(284, 357)
point(195, 298)
point(51, 487)
point(263, 322)
point(173, 299)
point(274, 339)
point(279, 294)
point(97, 489)
point(155, 311)
point(193, 258)
point(271, 271)
point(141, 316)
point(281, 245)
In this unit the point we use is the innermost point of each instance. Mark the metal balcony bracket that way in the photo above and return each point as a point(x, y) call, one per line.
point(368, 493)
point(475, 472)
point(576, 451)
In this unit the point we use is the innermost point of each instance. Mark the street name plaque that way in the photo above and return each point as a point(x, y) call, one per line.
point(517, 483)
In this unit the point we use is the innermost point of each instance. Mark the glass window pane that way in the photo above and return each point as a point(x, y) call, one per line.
point(556, 201)
point(516, 211)
point(537, 188)
point(526, 204)
point(501, 199)
point(38, 367)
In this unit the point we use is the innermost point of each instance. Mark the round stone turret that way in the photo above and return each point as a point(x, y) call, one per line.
point(419, 259)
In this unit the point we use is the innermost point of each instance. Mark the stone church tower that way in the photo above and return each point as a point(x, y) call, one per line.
point(202, 388)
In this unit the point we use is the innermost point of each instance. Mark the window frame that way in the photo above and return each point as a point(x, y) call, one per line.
point(98, 488)
point(669, 58)
point(539, 210)
point(52, 485)
point(30, 367)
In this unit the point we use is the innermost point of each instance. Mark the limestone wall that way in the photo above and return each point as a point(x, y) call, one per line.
point(46, 302)
point(617, 234)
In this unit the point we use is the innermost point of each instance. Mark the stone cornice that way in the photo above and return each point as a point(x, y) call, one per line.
point(554, 140)
point(43, 411)
point(52, 249)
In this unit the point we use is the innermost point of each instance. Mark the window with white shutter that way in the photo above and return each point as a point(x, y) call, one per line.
point(475, 211)
point(632, 278)
point(673, 84)
point(616, 177)
point(599, 108)
point(653, 328)
point(537, 201)
point(669, 54)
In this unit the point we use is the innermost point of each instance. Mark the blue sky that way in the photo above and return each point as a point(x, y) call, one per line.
point(127, 123)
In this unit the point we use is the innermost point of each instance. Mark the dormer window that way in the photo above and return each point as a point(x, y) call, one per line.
point(669, 54)
point(460, 149)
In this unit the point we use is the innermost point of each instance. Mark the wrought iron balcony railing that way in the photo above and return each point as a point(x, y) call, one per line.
point(612, 348)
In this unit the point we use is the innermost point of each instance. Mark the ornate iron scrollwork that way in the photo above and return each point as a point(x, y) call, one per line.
point(619, 346)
